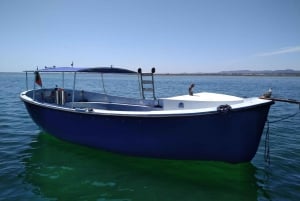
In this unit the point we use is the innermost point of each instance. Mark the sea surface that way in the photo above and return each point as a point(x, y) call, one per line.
point(36, 166)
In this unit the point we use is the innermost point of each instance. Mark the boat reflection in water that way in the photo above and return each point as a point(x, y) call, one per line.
point(63, 171)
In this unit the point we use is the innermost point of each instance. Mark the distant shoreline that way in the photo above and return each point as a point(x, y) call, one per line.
point(263, 73)
point(233, 74)
point(246, 73)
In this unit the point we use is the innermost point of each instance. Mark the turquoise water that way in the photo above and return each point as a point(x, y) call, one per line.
point(36, 166)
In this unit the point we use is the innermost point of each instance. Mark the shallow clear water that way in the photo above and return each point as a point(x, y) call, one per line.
point(37, 166)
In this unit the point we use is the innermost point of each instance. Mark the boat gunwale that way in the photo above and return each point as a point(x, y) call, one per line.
point(140, 114)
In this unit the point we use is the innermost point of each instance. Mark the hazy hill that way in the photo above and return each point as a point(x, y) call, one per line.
point(287, 72)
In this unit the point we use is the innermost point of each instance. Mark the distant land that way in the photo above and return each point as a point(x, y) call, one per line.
point(287, 72)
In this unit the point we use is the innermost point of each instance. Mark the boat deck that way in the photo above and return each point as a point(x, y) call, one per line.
point(103, 103)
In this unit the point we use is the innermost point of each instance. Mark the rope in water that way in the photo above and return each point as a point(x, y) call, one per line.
point(267, 137)
point(267, 144)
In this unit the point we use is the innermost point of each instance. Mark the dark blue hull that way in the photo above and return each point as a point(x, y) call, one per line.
point(233, 136)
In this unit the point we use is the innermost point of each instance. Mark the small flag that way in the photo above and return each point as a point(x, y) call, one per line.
point(72, 64)
point(38, 79)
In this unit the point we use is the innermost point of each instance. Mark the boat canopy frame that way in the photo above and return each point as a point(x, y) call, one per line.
point(100, 70)
point(84, 70)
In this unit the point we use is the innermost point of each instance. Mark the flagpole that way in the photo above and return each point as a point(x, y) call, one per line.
point(63, 80)
point(26, 80)
point(73, 93)
point(34, 87)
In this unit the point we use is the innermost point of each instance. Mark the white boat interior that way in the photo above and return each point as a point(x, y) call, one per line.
point(80, 100)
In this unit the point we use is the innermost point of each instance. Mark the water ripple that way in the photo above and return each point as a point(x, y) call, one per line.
point(37, 166)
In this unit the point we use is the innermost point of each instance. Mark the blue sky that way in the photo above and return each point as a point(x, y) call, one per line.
point(173, 35)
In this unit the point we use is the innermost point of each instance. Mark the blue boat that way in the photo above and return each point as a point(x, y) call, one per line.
point(194, 126)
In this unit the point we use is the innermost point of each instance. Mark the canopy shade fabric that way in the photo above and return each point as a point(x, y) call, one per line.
point(84, 69)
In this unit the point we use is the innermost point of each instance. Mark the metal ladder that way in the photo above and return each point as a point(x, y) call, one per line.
point(147, 83)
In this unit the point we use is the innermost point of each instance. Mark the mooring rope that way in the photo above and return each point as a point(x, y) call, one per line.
point(267, 137)
point(267, 144)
